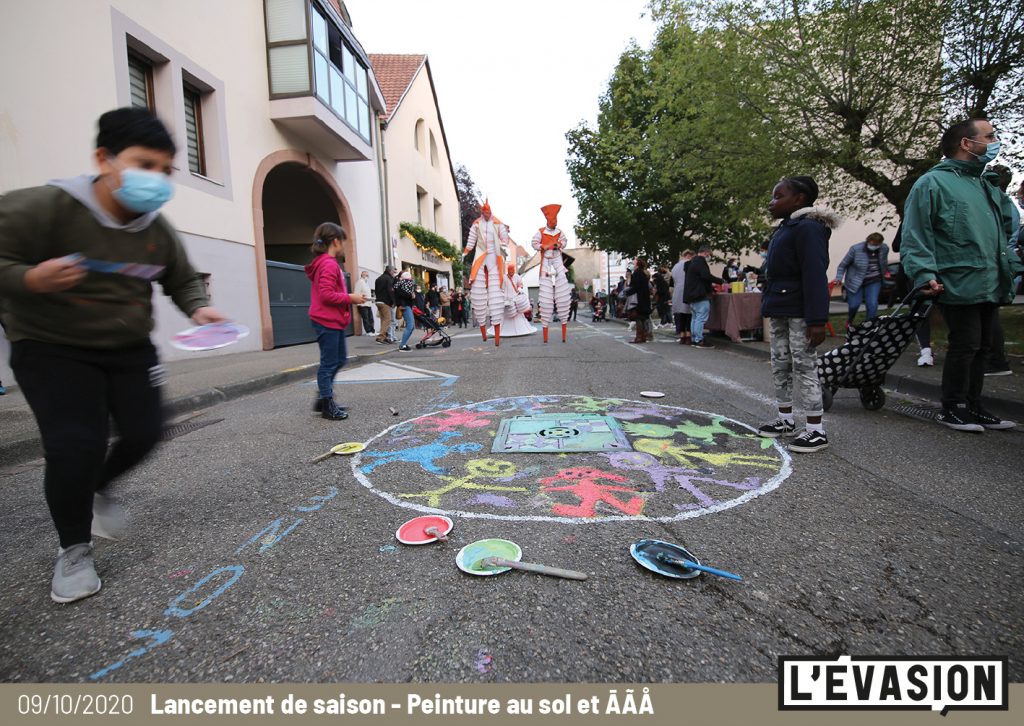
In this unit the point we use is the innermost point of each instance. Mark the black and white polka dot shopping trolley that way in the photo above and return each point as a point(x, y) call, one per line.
point(870, 350)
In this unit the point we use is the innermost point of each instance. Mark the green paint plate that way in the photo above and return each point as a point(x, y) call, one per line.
point(469, 557)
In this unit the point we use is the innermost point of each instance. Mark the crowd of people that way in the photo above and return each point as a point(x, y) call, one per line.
point(79, 365)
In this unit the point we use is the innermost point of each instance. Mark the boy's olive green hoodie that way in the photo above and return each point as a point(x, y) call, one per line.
point(106, 311)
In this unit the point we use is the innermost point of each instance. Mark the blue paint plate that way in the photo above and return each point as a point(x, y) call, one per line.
point(646, 552)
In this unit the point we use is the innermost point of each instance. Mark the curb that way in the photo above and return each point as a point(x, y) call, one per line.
point(13, 453)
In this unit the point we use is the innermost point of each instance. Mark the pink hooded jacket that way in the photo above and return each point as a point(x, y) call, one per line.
point(330, 305)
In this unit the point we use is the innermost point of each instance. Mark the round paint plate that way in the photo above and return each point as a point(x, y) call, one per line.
point(414, 532)
point(348, 448)
point(646, 553)
point(469, 556)
point(652, 394)
point(209, 337)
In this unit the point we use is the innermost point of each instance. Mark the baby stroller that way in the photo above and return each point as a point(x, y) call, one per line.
point(597, 312)
point(433, 327)
point(870, 350)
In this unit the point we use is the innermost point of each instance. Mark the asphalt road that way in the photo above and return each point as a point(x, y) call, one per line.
point(246, 562)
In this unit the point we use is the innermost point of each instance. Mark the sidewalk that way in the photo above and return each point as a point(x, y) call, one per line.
point(192, 383)
point(1003, 395)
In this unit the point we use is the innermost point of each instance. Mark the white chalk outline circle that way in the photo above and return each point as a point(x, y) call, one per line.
point(769, 486)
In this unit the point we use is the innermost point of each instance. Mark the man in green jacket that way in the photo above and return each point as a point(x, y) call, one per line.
point(79, 330)
point(955, 227)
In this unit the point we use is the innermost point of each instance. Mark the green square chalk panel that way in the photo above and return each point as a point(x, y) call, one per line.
point(558, 433)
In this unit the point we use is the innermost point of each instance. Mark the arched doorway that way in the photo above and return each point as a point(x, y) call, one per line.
point(292, 194)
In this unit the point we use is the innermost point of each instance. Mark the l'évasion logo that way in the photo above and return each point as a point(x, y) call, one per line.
point(939, 683)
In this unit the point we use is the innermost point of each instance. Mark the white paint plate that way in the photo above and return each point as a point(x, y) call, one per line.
point(652, 394)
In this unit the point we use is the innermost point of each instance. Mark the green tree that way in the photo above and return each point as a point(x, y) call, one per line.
point(674, 162)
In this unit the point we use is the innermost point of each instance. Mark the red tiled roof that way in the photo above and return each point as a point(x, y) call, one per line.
point(394, 73)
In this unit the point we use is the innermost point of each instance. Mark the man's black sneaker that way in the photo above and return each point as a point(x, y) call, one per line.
point(704, 345)
point(404, 348)
point(775, 429)
point(807, 442)
point(990, 421)
point(960, 418)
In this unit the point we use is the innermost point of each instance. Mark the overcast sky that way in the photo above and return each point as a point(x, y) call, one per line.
point(511, 79)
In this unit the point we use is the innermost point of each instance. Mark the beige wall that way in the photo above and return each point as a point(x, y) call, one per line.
point(409, 168)
point(72, 54)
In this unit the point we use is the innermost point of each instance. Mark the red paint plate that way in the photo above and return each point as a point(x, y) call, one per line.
point(414, 532)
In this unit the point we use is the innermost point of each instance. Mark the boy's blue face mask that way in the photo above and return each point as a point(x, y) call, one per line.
point(143, 191)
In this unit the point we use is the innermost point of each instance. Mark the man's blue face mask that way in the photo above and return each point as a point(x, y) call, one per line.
point(991, 151)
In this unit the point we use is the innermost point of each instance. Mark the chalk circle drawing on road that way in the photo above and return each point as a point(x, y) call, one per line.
point(574, 459)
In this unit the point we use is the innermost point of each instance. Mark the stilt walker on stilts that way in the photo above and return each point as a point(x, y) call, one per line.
point(554, 285)
point(487, 278)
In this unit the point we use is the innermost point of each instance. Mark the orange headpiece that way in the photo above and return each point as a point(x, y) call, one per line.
point(551, 214)
point(511, 268)
point(486, 208)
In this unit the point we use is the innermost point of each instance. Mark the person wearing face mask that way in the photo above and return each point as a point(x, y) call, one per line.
point(80, 346)
point(861, 271)
point(956, 224)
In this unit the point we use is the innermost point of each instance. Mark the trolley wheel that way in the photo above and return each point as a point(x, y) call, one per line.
point(826, 398)
point(872, 398)
point(420, 346)
point(446, 344)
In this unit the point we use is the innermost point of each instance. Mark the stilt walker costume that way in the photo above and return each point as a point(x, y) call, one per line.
point(554, 285)
point(487, 276)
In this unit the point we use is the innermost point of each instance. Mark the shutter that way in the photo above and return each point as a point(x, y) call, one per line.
point(140, 74)
point(193, 130)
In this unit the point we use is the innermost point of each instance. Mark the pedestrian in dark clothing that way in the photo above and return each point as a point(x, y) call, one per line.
point(640, 285)
point(662, 296)
point(796, 300)
point(433, 298)
point(697, 294)
point(382, 289)
point(458, 306)
point(731, 271)
point(574, 303)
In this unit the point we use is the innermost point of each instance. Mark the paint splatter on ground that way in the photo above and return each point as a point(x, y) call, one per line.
point(484, 661)
point(374, 614)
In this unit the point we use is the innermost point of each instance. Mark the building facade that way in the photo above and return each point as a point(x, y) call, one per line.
point(418, 176)
point(272, 104)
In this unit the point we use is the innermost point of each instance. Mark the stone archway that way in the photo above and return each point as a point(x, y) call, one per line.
point(289, 160)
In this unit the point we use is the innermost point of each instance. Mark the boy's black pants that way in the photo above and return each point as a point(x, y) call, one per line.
point(74, 392)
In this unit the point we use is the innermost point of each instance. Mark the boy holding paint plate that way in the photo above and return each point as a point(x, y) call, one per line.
point(80, 346)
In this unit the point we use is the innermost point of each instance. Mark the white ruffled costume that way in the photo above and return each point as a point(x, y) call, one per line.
point(517, 302)
point(487, 287)
point(553, 294)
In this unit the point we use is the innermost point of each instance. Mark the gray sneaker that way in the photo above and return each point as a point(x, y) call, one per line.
point(74, 576)
point(108, 520)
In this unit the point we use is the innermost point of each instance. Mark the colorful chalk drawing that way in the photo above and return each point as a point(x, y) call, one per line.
point(677, 463)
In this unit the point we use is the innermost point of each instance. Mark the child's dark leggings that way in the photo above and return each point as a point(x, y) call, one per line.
point(74, 392)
